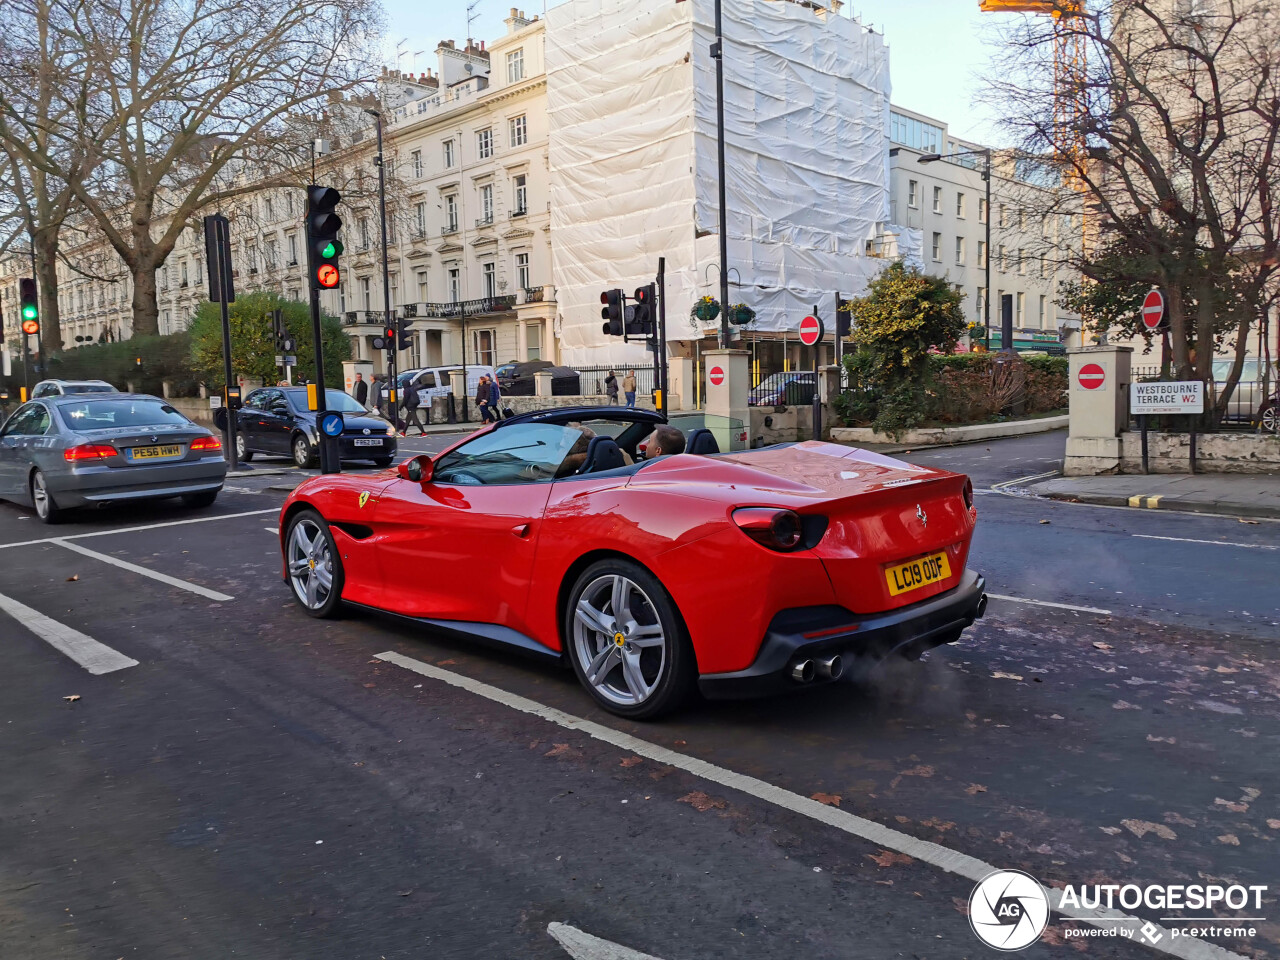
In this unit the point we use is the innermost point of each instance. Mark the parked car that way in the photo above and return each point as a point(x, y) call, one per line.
point(518, 381)
point(613, 552)
point(794, 388)
point(437, 381)
point(275, 420)
point(1269, 415)
point(63, 388)
point(62, 452)
point(1248, 403)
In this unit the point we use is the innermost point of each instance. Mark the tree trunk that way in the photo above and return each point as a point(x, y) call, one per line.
point(146, 309)
point(46, 244)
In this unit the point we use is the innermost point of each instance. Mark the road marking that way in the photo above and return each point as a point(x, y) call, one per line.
point(1135, 500)
point(1048, 603)
point(944, 858)
point(1216, 543)
point(274, 530)
point(1005, 485)
point(1154, 502)
point(95, 657)
point(583, 946)
point(145, 571)
point(148, 526)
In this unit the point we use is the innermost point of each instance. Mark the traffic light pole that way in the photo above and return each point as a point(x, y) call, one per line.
point(330, 462)
point(219, 249)
point(717, 52)
point(661, 336)
point(394, 346)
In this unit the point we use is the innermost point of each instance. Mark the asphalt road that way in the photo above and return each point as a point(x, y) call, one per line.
point(264, 785)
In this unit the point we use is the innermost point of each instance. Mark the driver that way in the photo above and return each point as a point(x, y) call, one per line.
point(663, 442)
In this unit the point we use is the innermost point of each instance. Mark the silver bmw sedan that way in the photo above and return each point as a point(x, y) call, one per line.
point(58, 453)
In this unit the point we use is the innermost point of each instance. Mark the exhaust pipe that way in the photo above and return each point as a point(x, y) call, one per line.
point(802, 671)
point(831, 668)
point(982, 607)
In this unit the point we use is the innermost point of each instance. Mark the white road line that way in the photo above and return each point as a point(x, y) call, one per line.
point(1001, 487)
point(145, 571)
point(274, 530)
point(1216, 543)
point(148, 526)
point(583, 946)
point(1049, 603)
point(934, 854)
point(95, 657)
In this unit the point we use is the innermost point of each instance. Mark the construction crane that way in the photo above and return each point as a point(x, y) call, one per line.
point(1068, 75)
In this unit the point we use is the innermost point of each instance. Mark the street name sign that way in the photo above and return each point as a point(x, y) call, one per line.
point(1153, 398)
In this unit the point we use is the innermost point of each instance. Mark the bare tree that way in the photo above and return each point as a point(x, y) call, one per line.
point(190, 103)
point(1178, 114)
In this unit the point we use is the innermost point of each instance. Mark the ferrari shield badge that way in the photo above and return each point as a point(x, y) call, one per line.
point(364, 498)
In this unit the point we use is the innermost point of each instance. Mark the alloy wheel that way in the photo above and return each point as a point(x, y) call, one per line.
point(40, 495)
point(310, 564)
point(1271, 419)
point(301, 452)
point(618, 640)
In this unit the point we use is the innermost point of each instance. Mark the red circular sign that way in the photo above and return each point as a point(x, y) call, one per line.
point(716, 376)
point(810, 330)
point(30, 326)
point(1091, 376)
point(1153, 309)
point(327, 275)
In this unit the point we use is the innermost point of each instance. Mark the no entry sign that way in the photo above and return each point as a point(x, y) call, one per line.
point(1153, 310)
point(716, 376)
point(810, 330)
point(1092, 376)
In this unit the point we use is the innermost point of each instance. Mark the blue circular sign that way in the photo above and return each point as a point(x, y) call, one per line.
point(331, 424)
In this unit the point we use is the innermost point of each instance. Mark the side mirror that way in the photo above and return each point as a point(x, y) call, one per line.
point(418, 469)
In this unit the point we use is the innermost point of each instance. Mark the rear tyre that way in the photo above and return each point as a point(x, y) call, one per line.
point(1269, 418)
point(204, 498)
point(313, 565)
point(626, 641)
point(243, 454)
point(46, 509)
point(303, 454)
point(383, 462)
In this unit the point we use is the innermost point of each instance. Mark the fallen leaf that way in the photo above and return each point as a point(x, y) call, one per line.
point(1154, 739)
point(887, 858)
point(1103, 646)
point(830, 799)
point(1249, 794)
point(885, 883)
point(1251, 522)
point(73, 578)
point(1273, 824)
point(405, 893)
point(1233, 807)
point(631, 761)
point(445, 663)
point(375, 660)
point(682, 743)
point(942, 825)
point(1225, 670)
point(901, 819)
point(1001, 675)
point(975, 788)
point(970, 716)
point(701, 802)
point(1110, 831)
point(560, 750)
point(369, 685)
point(1044, 521)
point(1230, 839)
point(73, 698)
point(961, 905)
point(921, 771)
point(1140, 828)
point(1124, 705)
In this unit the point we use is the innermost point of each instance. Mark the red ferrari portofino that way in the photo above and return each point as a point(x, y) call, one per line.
point(740, 574)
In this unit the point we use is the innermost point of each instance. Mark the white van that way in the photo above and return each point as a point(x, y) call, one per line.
point(435, 381)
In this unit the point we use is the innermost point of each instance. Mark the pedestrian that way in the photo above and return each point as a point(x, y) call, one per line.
point(611, 388)
point(495, 399)
point(482, 400)
point(380, 395)
point(629, 387)
point(411, 405)
point(361, 391)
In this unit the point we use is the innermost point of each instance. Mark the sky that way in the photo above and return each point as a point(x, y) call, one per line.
point(937, 50)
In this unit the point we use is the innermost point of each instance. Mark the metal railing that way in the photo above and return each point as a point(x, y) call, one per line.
point(534, 294)
point(463, 308)
point(592, 380)
point(484, 222)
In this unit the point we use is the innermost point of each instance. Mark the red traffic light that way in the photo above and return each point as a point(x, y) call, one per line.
point(31, 326)
point(641, 295)
point(327, 275)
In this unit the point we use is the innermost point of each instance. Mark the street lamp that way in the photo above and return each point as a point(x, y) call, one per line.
point(386, 275)
point(985, 153)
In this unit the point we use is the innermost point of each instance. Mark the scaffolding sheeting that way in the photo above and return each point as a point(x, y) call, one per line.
point(632, 108)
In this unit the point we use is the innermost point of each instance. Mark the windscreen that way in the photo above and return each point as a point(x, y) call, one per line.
point(124, 412)
point(88, 388)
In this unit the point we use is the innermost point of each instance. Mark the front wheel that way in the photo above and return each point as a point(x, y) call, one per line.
point(627, 642)
point(1269, 418)
point(313, 565)
point(46, 509)
point(303, 455)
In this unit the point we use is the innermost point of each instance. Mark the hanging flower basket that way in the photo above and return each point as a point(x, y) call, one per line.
point(705, 309)
point(741, 315)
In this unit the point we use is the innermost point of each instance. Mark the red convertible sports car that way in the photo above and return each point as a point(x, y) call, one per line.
point(739, 574)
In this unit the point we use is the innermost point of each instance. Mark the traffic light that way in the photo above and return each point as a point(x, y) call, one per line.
point(30, 310)
point(284, 343)
point(612, 312)
point(844, 319)
point(322, 236)
point(643, 322)
point(404, 339)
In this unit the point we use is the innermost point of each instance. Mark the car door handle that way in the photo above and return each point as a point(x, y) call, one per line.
point(521, 530)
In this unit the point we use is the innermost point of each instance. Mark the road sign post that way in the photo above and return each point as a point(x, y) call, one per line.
point(811, 333)
point(1184, 398)
point(217, 251)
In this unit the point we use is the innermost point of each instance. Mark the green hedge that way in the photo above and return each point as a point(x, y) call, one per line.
point(144, 360)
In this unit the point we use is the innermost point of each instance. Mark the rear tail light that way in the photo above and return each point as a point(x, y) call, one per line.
point(967, 493)
point(89, 451)
point(206, 443)
point(776, 529)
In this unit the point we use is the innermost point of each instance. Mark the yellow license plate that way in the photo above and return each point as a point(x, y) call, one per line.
point(917, 573)
point(156, 453)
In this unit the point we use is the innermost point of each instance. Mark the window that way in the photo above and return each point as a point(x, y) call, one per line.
point(523, 453)
point(1043, 300)
point(394, 282)
point(1000, 261)
point(913, 189)
point(164, 280)
point(960, 205)
point(291, 293)
point(519, 131)
point(292, 240)
point(937, 199)
point(522, 271)
point(288, 204)
point(1020, 310)
point(455, 289)
point(982, 253)
point(486, 203)
point(422, 286)
point(1044, 267)
point(342, 298)
point(199, 273)
point(916, 134)
point(490, 279)
point(959, 251)
point(982, 209)
point(521, 194)
point(533, 341)
point(416, 159)
point(1022, 263)
point(270, 257)
point(366, 295)
point(268, 210)
point(420, 220)
point(364, 233)
point(1022, 219)
point(451, 213)
point(166, 322)
point(482, 346)
point(515, 66)
point(484, 144)
point(448, 154)
point(981, 302)
point(1000, 218)
point(184, 278)
point(937, 246)
point(391, 229)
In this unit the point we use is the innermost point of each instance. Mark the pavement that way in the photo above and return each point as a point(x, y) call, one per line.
point(257, 783)
point(1235, 495)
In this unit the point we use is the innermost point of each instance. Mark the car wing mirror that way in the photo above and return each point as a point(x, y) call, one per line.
point(418, 469)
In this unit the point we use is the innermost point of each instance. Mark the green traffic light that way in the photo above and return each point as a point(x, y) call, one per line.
point(331, 249)
point(30, 312)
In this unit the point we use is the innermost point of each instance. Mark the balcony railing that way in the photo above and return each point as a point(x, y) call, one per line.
point(462, 308)
point(448, 228)
point(352, 317)
point(518, 212)
point(534, 294)
point(485, 221)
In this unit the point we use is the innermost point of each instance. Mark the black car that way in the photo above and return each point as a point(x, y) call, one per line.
point(516, 379)
point(275, 420)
